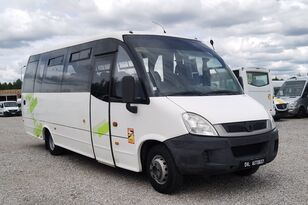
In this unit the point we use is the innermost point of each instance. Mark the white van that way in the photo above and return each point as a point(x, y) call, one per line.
point(164, 105)
point(257, 83)
point(295, 93)
point(9, 108)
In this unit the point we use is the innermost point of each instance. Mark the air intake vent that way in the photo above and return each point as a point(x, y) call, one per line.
point(248, 126)
point(248, 150)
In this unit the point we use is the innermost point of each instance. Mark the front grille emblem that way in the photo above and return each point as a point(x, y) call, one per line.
point(249, 126)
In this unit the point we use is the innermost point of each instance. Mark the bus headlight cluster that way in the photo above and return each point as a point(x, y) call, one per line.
point(196, 124)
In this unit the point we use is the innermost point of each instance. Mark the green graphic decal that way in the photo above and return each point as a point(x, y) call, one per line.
point(32, 103)
point(102, 128)
point(38, 128)
point(28, 97)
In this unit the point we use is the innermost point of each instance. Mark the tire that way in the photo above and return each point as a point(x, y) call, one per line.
point(53, 149)
point(276, 118)
point(162, 171)
point(247, 172)
point(301, 112)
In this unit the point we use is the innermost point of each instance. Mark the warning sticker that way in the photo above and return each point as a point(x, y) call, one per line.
point(131, 135)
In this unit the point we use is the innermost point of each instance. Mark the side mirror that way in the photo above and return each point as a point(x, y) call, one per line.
point(128, 92)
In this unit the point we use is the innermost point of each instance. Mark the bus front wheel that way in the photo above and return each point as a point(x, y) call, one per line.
point(162, 171)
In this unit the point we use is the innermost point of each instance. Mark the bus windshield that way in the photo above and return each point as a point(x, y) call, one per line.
point(291, 89)
point(178, 67)
point(10, 104)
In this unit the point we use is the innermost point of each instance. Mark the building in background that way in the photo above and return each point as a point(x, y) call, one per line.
point(10, 95)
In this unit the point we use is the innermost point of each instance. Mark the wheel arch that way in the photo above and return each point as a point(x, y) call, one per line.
point(45, 132)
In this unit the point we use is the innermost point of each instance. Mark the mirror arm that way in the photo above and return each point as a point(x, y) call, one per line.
point(132, 109)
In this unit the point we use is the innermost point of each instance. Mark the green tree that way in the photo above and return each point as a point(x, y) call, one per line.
point(18, 84)
point(8, 86)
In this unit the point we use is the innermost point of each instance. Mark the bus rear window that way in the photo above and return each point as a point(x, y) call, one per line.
point(29, 77)
point(257, 79)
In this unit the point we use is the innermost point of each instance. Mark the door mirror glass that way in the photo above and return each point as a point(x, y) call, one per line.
point(128, 89)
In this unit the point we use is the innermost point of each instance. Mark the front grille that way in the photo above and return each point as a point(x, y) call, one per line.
point(248, 126)
point(281, 106)
point(247, 150)
point(11, 111)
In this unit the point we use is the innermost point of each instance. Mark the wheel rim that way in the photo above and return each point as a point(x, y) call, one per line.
point(51, 143)
point(159, 169)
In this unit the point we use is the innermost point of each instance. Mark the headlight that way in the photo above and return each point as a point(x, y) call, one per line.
point(196, 124)
point(292, 105)
point(272, 121)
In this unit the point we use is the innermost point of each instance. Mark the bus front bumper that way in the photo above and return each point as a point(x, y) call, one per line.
point(195, 154)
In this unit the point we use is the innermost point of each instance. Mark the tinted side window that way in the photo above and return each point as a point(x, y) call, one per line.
point(77, 76)
point(81, 55)
point(29, 77)
point(39, 74)
point(101, 77)
point(53, 75)
point(125, 67)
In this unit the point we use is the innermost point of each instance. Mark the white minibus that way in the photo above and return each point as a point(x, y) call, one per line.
point(164, 105)
point(257, 83)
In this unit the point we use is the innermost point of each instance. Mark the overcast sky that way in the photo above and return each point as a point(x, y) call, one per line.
point(267, 33)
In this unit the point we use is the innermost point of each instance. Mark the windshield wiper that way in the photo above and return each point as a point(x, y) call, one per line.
point(224, 92)
point(187, 93)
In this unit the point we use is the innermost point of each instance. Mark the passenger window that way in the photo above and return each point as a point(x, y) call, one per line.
point(125, 67)
point(29, 77)
point(101, 77)
point(81, 55)
point(257, 79)
point(53, 75)
point(76, 77)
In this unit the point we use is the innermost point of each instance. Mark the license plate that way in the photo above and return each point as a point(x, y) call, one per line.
point(252, 163)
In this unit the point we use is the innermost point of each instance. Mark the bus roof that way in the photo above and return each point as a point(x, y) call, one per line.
point(118, 36)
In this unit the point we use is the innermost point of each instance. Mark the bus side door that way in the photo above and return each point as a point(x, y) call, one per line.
point(100, 109)
point(126, 126)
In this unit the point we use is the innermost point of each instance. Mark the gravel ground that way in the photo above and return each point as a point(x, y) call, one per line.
point(30, 175)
